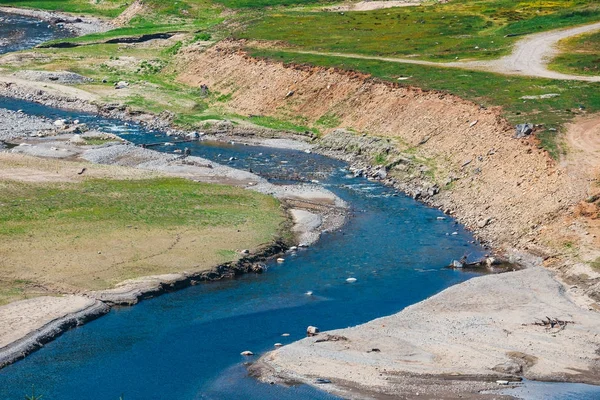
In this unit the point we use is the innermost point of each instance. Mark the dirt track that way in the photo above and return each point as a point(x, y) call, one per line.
point(529, 57)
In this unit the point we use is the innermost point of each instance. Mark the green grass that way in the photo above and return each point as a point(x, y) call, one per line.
point(579, 55)
point(274, 123)
point(459, 29)
point(93, 234)
point(264, 3)
point(483, 88)
point(328, 121)
point(158, 202)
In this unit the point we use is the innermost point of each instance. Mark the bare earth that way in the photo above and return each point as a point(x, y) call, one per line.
point(20, 318)
point(483, 328)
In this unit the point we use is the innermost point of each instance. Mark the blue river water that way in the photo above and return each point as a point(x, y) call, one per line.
point(187, 344)
point(19, 32)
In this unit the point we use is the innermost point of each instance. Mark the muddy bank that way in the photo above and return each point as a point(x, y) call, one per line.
point(29, 324)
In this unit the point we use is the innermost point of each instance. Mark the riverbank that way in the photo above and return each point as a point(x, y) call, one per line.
point(67, 152)
point(456, 344)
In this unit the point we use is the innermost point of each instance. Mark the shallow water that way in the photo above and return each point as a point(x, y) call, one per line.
point(19, 32)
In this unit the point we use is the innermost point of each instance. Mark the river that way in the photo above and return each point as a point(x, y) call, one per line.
point(187, 344)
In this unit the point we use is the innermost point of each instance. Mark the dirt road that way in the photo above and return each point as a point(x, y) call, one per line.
point(530, 56)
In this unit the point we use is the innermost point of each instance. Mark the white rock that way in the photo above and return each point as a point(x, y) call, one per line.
point(312, 330)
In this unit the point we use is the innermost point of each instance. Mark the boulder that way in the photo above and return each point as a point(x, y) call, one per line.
point(77, 140)
point(523, 130)
point(312, 331)
point(121, 85)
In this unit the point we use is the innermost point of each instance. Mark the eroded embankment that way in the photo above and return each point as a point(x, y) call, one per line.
point(503, 188)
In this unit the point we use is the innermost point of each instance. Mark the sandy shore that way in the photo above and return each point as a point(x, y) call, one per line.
point(467, 336)
point(26, 325)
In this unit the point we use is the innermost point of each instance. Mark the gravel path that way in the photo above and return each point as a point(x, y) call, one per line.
point(530, 56)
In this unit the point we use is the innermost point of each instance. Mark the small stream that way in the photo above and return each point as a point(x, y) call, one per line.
point(19, 32)
point(187, 344)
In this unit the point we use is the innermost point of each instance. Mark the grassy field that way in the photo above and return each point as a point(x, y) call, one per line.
point(579, 55)
point(63, 234)
point(463, 29)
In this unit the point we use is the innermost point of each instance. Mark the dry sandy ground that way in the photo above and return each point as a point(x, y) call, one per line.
point(530, 56)
point(483, 328)
point(372, 5)
point(18, 319)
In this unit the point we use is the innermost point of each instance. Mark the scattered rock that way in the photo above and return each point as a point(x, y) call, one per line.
point(523, 130)
point(312, 331)
point(121, 85)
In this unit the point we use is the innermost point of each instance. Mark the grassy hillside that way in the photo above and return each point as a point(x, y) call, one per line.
point(459, 29)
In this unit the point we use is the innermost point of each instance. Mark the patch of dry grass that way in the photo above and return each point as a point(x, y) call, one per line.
point(88, 232)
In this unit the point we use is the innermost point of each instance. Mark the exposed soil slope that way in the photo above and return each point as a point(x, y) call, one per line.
point(502, 187)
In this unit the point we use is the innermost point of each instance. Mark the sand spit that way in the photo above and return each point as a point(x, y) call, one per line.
point(27, 325)
point(481, 330)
